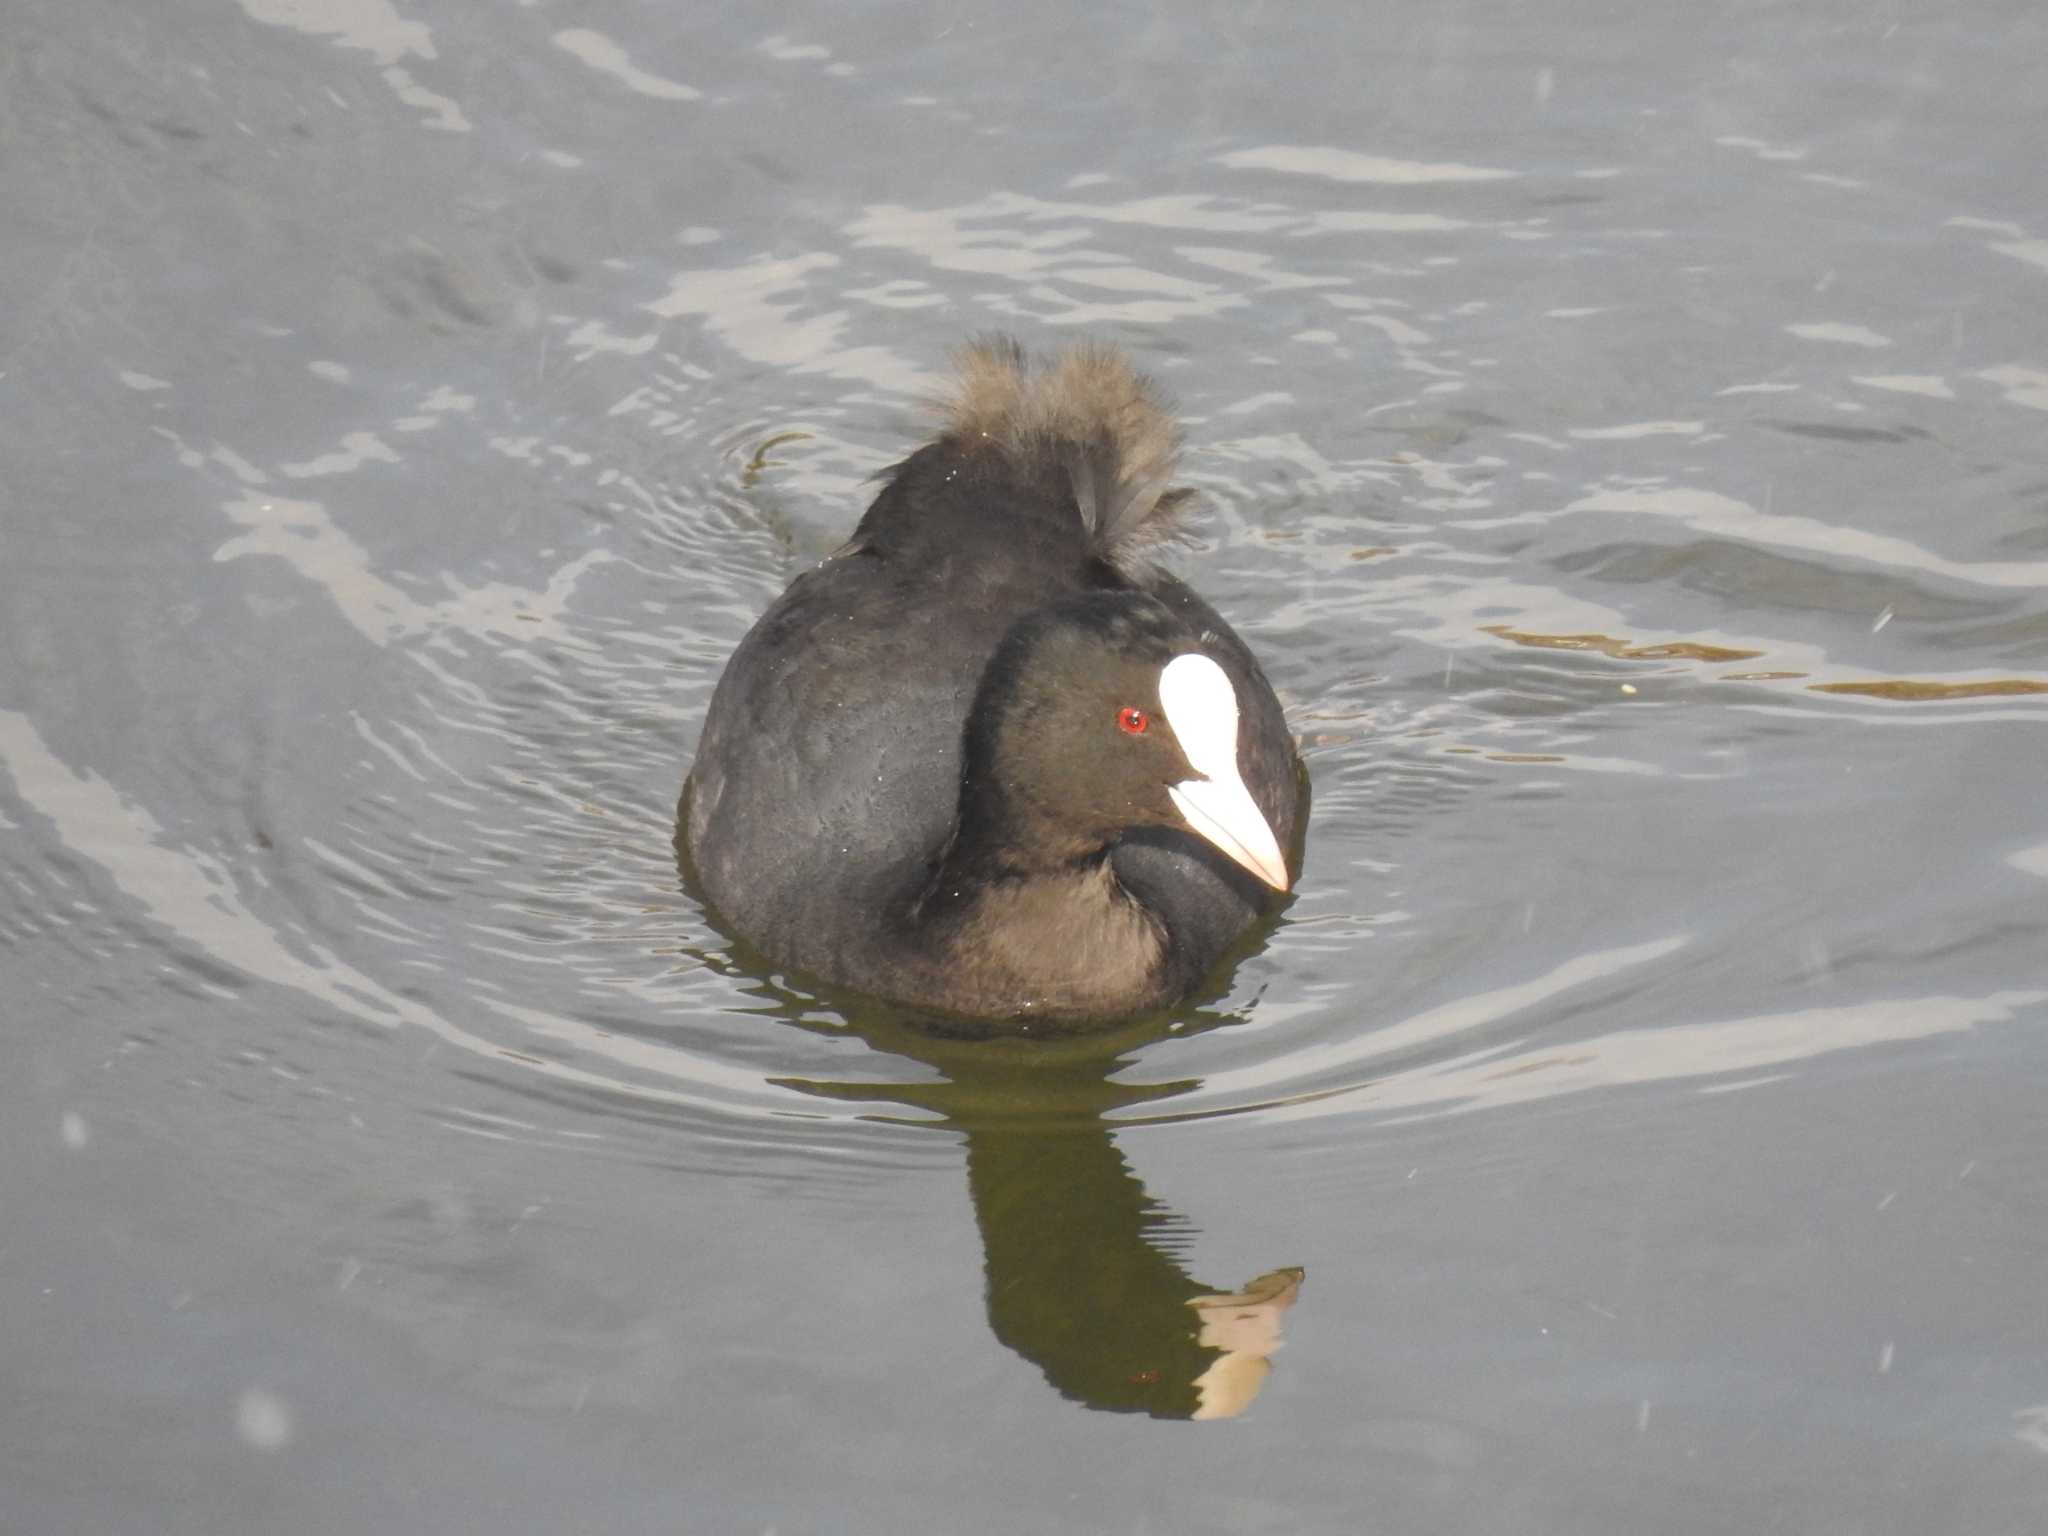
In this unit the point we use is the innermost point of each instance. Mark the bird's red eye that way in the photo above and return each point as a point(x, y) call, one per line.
point(1133, 720)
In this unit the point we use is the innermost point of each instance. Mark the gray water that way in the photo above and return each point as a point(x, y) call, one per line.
point(1623, 433)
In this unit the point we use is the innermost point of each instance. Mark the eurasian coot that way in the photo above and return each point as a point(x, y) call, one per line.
point(987, 758)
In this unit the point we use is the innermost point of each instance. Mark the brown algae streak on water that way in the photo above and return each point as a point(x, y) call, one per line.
point(1899, 690)
point(1624, 650)
point(751, 475)
point(1909, 691)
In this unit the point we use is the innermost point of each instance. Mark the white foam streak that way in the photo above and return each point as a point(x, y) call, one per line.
point(1668, 1054)
point(1442, 1023)
point(754, 309)
point(608, 58)
point(195, 897)
point(1348, 165)
point(305, 537)
point(1711, 512)
point(1520, 1071)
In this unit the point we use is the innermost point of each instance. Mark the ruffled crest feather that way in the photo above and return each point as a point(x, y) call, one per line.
point(1092, 414)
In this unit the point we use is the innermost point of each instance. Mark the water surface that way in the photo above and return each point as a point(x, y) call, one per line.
point(1625, 439)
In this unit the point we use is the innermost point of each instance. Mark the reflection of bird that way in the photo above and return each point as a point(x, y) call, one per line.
point(1245, 1326)
point(1081, 1265)
point(1082, 1280)
point(986, 759)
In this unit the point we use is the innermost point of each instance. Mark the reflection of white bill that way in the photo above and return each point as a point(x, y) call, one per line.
point(1245, 1325)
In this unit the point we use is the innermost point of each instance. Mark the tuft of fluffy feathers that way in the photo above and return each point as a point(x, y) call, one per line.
point(1091, 414)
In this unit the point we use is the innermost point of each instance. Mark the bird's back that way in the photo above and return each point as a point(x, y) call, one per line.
point(829, 767)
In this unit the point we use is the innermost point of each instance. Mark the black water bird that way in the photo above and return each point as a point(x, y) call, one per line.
point(988, 759)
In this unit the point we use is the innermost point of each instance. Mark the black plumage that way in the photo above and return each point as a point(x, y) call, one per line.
point(941, 768)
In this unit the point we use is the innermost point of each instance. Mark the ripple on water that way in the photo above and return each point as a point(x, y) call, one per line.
point(1521, 616)
point(500, 882)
